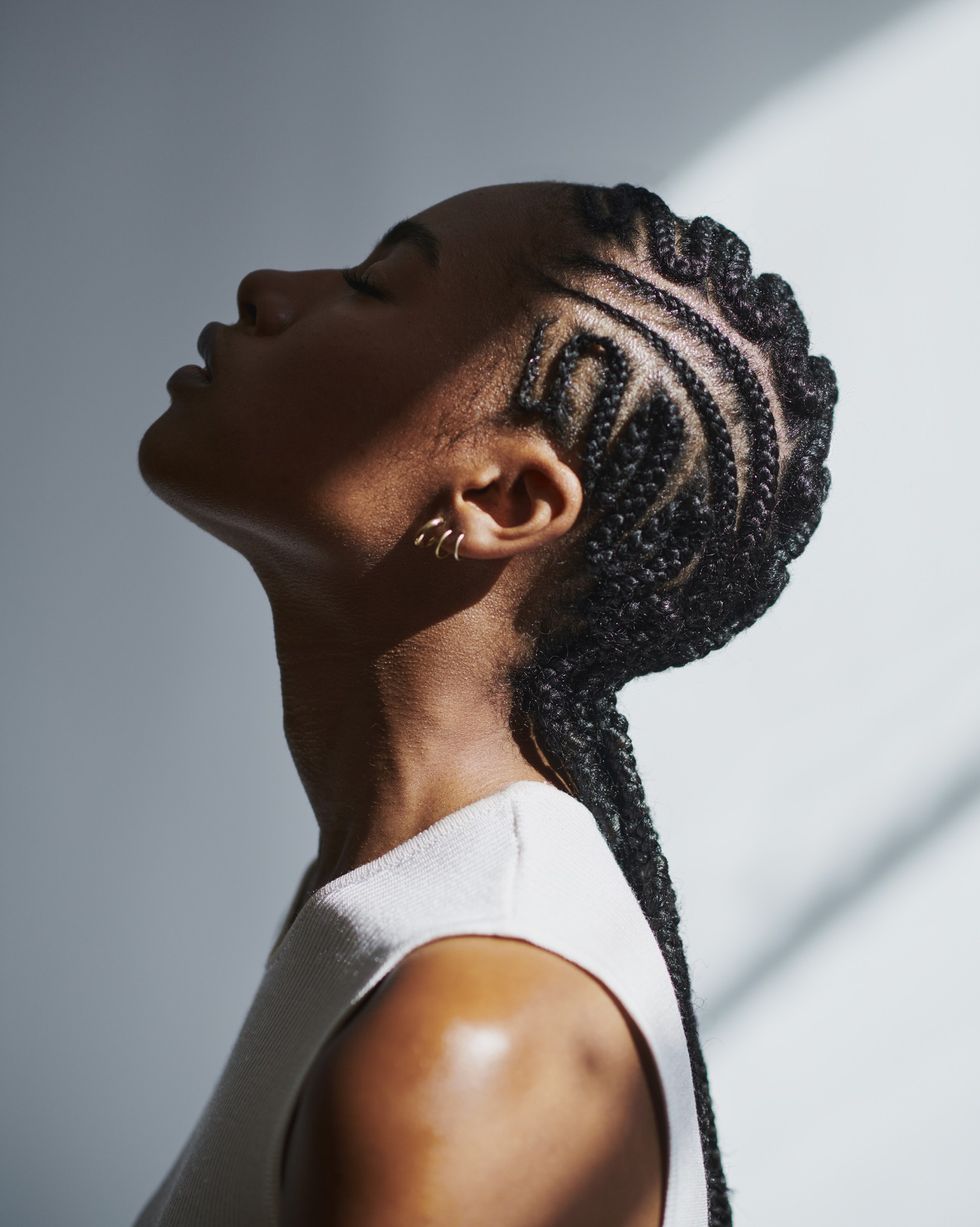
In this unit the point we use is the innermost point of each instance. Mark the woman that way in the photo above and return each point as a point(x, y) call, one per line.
point(546, 438)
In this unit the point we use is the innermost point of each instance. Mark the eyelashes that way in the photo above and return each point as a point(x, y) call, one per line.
point(357, 281)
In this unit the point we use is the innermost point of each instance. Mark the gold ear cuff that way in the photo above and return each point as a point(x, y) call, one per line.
point(437, 535)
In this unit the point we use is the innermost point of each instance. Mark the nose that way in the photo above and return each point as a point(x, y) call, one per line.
point(265, 301)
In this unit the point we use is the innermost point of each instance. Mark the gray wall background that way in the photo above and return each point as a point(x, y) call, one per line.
point(824, 847)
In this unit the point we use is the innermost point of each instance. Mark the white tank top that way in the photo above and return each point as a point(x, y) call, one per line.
point(529, 862)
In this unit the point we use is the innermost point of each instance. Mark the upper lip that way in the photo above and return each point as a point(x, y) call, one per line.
point(205, 346)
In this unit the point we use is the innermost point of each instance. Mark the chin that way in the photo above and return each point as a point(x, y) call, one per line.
point(174, 466)
point(159, 457)
point(195, 473)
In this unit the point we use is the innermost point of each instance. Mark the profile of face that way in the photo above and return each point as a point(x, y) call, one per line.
point(317, 434)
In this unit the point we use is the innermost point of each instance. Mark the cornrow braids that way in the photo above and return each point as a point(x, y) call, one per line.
point(679, 546)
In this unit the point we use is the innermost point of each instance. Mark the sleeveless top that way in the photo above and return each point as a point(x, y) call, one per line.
point(529, 862)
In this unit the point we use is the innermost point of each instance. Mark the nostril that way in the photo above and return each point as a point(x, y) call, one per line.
point(248, 296)
point(265, 300)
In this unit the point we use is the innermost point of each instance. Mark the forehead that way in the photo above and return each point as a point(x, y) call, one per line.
point(485, 229)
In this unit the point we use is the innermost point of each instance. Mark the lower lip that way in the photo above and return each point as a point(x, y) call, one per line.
point(188, 374)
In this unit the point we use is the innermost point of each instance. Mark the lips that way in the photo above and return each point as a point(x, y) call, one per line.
point(205, 346)
point(187, 374)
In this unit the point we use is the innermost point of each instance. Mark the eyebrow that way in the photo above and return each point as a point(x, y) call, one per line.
point(410, 231)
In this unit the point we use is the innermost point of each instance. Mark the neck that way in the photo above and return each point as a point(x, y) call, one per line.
point(390, 733)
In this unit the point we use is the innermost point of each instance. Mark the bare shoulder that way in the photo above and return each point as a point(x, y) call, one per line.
point(486, 1080)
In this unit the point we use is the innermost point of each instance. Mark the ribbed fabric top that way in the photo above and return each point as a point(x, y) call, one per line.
point(530, 862)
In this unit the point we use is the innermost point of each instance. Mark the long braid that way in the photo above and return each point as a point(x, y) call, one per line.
point(677, 559)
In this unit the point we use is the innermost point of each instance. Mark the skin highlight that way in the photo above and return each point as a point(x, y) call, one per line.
point(484, 1081)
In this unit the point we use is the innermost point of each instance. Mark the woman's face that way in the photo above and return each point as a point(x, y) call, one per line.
point(314, 438)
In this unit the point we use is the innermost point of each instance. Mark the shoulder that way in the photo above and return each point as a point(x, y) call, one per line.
point(476, 1059)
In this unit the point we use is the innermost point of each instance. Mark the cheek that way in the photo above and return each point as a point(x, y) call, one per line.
point(322, 428)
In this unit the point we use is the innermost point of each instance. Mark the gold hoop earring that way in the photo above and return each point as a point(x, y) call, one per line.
point(447, 533)
point(434, 523)
point(437, 537)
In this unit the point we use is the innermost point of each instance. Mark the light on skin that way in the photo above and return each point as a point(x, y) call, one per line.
point(336, 423)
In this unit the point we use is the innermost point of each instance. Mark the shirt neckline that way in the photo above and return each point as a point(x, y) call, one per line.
point(402, 851)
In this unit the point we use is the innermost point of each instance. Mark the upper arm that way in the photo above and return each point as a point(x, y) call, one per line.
point(487, 1082)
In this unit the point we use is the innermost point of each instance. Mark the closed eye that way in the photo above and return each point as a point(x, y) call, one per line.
point(360, 283)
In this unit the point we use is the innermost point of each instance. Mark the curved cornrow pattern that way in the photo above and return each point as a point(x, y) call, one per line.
point(670, 576)
point(555, 406)
point(715, 427)
point(760, 495)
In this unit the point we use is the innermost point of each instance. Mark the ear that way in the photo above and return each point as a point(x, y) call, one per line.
point(521, 499)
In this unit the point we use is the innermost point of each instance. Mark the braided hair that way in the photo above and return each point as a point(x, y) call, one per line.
point(696, 499)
